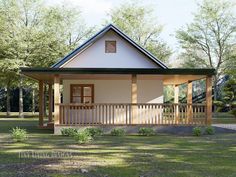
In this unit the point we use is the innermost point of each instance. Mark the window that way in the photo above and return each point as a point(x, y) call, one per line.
point(82, 93)
point(110, 46)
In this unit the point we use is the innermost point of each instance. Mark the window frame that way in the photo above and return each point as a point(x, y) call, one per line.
point(106, 46)
point(82, 92)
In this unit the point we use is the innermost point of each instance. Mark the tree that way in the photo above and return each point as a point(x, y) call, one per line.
point(9, 73)
point(139, 23)
point(228, 98)
point(35, 35)
point(209, 40)
point(231, 64)
point(10, 60)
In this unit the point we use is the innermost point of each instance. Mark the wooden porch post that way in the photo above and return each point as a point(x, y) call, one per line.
point(176, 101)
point(41, 103)
point(50, 103)
point(57, 99)
point(208, 100)
point(134, 97)
point(189, 101)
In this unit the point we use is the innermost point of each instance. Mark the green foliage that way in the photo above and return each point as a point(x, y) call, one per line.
point(231, 64)
point(140, 24)
point(19, 135)
point(68, 131)
point(118, 132)
point(35, 35)
point(209, 130)
point(228, 97)
point(146, 131)
point(83, 137)
point(233, 112)
point(197, 131)
point(209, 41)
point(168, 94)
point(94, 132)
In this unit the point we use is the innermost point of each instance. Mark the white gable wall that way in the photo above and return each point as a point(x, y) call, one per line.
point(126, 56)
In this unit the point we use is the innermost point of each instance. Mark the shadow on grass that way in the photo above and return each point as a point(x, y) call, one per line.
point(30, 124)
point(161, 155)
point(16, 115)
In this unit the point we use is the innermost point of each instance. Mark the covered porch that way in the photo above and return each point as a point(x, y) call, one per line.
point(134, 111)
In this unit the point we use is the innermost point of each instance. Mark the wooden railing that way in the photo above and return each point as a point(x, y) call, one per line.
point(132, 114)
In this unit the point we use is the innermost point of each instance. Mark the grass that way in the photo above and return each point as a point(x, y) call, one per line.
point(161, 155)
point(223, 118)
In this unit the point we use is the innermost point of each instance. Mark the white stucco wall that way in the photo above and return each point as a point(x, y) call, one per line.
point(119, 91)
point(105, 91)
point(95, 57)
point(150, 91)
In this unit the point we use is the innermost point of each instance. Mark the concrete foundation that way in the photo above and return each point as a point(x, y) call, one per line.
point(133, 129)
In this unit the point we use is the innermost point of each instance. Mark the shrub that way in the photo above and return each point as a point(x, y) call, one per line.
point(83, 137)
point(118, 132)
point(19, 135)
point(210, 130)
point(68, 131)
point(233, 112)
point(197, 131)
point(94, 132)
point(145, 131)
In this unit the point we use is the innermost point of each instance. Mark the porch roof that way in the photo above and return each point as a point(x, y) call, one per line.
point(180, 75)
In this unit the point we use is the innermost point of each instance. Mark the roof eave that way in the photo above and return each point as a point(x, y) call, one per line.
point(169, 71)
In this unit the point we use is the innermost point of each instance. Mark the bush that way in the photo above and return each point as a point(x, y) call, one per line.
point(210, 130)
point(19, 135)
point(94, 132)
point(197, 131)
point(83, 137)
point(118, 132)
point(145, 131)
point(68, 131)
point(233, 112)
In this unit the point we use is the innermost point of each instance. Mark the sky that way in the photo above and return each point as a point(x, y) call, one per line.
point(172, 14)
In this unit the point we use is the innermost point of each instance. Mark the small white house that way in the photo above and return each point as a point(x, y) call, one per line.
point(111, 80)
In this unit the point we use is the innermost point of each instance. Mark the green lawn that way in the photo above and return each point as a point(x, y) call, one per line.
point(129, 156)
point(223, 118)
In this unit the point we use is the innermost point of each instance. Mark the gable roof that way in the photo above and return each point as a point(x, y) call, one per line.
point(99, 35)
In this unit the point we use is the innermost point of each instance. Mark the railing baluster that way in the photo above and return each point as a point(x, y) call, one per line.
point(113, 113)
point(161, 114)
point(144, 113)
point(72, 114)
point(108, 113)
point(83, 114)
point(103, 115)
point(60, 114)
point(99, 113)
point(80, 115)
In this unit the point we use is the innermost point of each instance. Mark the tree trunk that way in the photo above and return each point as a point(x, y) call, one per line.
point(33, 101)
point(21, 114)
point(215, 93)
point(8, 102)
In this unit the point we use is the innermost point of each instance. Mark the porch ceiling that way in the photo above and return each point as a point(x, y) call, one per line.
point(169, 76)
